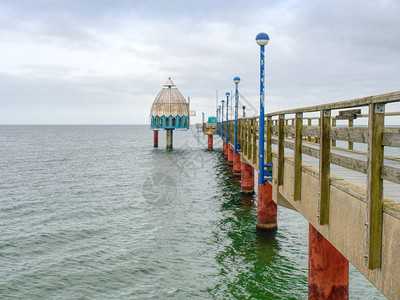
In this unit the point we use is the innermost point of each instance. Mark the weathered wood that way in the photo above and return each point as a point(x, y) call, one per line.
point(391, 139)
point(391, 174)
point(309, 126)
point(348, 162)
point(310, 131)
point(350, 145)
point(281, 150)
point(374, 186)
point(254, 154)
point(358, 102)
point(354, 134)
point(324, 168)
point(298, 157)
point(348, 114)
point(269, 140)
point(333, 125)
point(249, 143)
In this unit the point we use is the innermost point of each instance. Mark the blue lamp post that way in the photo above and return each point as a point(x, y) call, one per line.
point(219, 115)
point(236, 80)
point(262, 39)
point(227, 117)
point(217, 120)
point(222, 119)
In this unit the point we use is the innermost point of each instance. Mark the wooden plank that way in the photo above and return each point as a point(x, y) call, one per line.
point(375, 186)
point(358, 102)
point(254, 154)
point(306, 134)
point(391, 174)
point(333, 125)
point(298, 157)
point(249, 143)
point(349, 163)
point(269, 140)
point(281, 150)
point(310, 131)
point(354, 134)
point(391, 139)
point(350, 145)
point(324, 168)
point(348, 114)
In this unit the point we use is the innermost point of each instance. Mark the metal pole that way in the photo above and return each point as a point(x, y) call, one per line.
point(227, 117)
point(202, 121)
point(222, 119)
point(262, 39)
point(236, 80)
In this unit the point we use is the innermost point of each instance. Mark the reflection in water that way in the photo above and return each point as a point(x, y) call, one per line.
point(251, 262)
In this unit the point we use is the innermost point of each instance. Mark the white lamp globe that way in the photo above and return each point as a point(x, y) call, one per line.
point(262, 39)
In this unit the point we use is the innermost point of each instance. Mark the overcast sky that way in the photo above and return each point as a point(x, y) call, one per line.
point(103, 62)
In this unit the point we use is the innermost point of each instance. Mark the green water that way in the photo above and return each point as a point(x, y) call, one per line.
point(94, 212)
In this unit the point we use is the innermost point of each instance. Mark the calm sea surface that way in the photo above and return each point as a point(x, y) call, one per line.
point(95, 212)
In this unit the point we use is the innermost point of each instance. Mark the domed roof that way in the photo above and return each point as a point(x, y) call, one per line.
point(169, 102)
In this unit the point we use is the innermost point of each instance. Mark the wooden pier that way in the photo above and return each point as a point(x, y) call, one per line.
point(350, 198)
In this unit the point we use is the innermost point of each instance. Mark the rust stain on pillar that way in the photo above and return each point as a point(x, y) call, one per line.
point(210, 142)
point(328, 269)
point(247, 178)
point(266, 209)
point(230, 155)
point(155, 138)
point(236, 164)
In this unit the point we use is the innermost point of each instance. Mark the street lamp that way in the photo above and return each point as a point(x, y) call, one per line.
point(262, 40)
point(227, 117)
point(236, 80)
point(222, 119)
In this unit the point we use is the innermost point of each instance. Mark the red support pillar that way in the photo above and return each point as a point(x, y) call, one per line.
point(224, 148)
point(237, 169)
point(266, 209)
point(210, 142)
point(328, 269)
point(155, 138)
point(230, 155)
point(247, 178)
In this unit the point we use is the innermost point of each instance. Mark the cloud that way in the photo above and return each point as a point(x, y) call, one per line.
point(72, 56)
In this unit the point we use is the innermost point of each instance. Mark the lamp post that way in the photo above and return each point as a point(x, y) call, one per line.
point(262, 39)
point(227, 117)
point(217, 119)
point(236, 80)
point(222, 119)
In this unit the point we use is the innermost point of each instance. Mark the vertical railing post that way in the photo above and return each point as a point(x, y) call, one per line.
point(309, 124)
point(298, 156)
point(375, 185)
point(333, 125)
point(324, 167)
point(281, 150)
point(351, 122)
point(254, 154)
point(269, 140)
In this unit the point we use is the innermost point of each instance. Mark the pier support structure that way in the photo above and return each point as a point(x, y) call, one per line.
point(237, 168)
point(328, 269)
point(155, 138)
point(267, 209)
point(230, 155)
point(247, 178)
point(170, 139)
point(210, 142)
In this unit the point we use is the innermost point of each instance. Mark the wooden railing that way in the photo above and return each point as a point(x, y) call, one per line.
point(290, 129)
